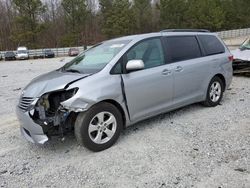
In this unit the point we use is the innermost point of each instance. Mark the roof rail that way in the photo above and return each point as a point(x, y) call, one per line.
point(186, 30)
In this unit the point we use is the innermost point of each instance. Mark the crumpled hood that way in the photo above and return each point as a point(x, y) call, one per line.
point(242, 55)
point(51, 81)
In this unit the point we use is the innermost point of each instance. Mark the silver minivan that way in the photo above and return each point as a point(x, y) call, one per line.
point(122, 81)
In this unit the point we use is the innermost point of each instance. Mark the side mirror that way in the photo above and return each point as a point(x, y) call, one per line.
point(134, 65)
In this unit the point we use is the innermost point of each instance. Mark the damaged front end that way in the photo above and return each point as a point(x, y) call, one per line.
point(44, 117)
point(239, 64)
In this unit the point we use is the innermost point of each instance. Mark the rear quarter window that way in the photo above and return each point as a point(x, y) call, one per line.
point(180, 48)
point(211, 45)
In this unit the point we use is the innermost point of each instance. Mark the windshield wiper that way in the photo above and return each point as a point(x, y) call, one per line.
point(73, 70)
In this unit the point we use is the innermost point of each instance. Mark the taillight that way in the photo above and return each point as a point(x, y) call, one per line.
point(231, 58)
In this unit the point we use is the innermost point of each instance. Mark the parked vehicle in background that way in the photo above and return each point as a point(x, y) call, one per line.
point(48, 53)
point(73, 52)
point(9, 56)
point(242, 56)
point(123, 81)
point(22, 53)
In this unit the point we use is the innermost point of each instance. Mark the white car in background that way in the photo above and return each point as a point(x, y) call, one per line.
point(22, 53)
point(242, 56)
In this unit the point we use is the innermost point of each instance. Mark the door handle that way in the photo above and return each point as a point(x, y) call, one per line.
point(166, 72)
point(178, 69)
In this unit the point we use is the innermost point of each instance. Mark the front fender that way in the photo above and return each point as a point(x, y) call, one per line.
point(96, 89)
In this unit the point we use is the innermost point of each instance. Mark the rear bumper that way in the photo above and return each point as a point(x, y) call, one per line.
point(227, 73)
point(229, 79)
point(29, 129)
point(240, 64)
point(49, 55)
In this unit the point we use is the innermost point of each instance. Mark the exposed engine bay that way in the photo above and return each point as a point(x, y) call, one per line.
point(49, 113)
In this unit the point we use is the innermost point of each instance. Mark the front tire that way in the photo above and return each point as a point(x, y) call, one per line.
point(214, 92)
point(99, 127)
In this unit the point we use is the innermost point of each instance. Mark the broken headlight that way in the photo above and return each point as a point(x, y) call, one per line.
point(48, 104)
point(56, 98)
point(63, 95)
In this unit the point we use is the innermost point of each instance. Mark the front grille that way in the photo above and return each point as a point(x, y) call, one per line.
point(25, 102)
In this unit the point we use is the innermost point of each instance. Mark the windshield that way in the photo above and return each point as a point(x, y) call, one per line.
point(245, 45)
point(22, 52)
point(96, 58)
point(9, 53)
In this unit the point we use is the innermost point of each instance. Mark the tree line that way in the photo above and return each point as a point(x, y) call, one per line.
point(60, 23)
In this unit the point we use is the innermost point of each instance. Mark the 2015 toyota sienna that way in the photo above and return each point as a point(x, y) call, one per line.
point(122, 81)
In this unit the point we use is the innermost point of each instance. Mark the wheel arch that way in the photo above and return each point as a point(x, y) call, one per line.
point(222, 79)
point(119, 107)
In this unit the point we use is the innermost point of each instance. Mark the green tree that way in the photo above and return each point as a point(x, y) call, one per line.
point(28, 24)
point(206, 14)
point(75, 16)
point(143, 15)
point(173, 13)
point(118, 18)
point(237, 13)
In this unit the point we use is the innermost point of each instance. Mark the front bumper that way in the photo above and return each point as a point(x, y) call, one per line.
point(22, 57)
point(9, 58)
point(29, 129)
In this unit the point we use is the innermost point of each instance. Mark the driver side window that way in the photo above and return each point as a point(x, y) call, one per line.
point(149, 51)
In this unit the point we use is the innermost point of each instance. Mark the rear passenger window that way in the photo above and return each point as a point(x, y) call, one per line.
point(211, 45)
point(180, 48)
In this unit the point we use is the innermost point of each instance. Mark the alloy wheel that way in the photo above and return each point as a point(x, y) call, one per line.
point(102, 127)
point(215, 91)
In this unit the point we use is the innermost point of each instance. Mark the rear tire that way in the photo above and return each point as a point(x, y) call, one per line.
point(99, 127)
point(214, 92)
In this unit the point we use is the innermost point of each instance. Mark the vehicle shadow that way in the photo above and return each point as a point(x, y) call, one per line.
point(168, 117)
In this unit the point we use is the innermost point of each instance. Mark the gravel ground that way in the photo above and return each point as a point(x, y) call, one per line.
point(191, 147)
